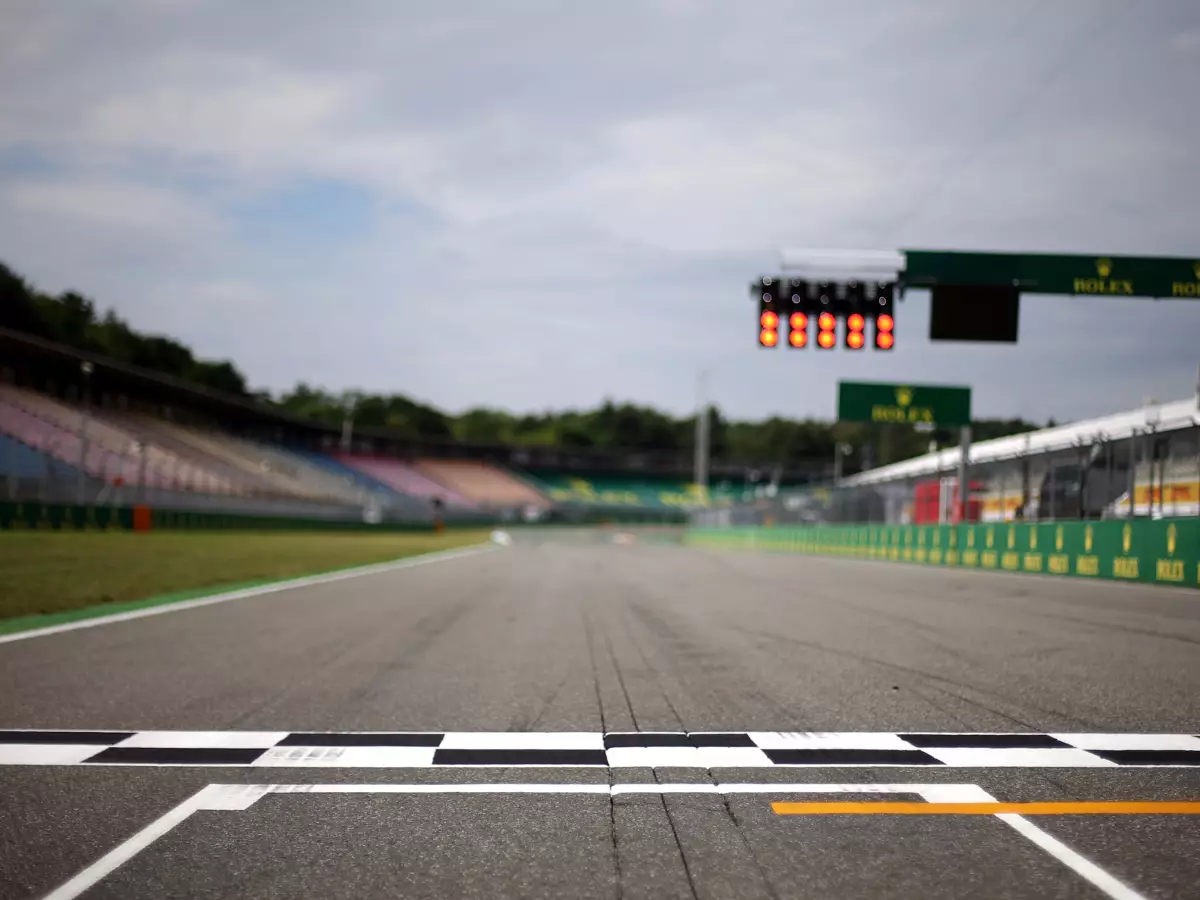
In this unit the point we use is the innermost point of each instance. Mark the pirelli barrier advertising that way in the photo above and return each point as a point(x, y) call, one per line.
point(1163, 551)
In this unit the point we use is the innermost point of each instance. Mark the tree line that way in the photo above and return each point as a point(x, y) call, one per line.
point(74, 320)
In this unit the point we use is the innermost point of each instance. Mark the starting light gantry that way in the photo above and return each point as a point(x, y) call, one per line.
point(791, 306)
point(975, 296)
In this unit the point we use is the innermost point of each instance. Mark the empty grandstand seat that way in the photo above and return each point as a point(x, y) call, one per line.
point(316, 479)
point(56, 442)
point(402, 477)
point(481, 481)
point(19, 460)
point(112, 451)
point(609, 491)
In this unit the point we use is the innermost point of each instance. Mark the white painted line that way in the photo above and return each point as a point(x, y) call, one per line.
point(226, 740)
point(989, 757)
point(1130, 741)
point(802, 740)
point(1078, 863)
point(307, 581)
point(654, 757)
point(243, 796)
point(126, 851)
point(46, 754)
point(601, 789)
point(527, 740)
point(348, 757)
point(949, 793)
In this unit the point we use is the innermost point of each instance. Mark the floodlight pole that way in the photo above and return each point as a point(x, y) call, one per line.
point(700, 473)
point(964, 472)
point(85, 369)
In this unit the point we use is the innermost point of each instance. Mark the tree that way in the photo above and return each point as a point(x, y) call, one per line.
point(73, 319)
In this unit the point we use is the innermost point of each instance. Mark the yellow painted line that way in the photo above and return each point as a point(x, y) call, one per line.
point(1107, 808)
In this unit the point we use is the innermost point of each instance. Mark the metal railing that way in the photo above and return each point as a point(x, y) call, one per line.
point(1151, 474)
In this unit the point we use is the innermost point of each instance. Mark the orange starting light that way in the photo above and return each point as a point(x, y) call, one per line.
point(797, 321)
point(856, 322)
point(885, 340)
point(798, 338)
point(826, 340)
point(885, 322)
point(826, 321)
point(769, 320)
point(768, 337)
point(855, 340)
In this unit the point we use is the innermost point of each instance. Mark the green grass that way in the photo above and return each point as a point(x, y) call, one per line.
point(46, 573)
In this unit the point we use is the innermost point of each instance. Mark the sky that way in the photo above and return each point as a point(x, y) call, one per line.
point(539, 205)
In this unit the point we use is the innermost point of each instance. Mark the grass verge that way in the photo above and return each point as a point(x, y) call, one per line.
point(57, 574)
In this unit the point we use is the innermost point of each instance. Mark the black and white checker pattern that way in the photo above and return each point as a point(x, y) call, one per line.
point(706, 750)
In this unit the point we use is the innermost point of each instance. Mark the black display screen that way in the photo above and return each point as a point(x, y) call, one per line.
point(974, 312)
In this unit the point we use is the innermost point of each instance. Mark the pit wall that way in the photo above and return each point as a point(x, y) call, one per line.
point(1163, 551)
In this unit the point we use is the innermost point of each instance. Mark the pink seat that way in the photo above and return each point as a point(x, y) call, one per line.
point(402, 477)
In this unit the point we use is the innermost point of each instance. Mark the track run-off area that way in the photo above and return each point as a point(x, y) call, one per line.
point(588, 717)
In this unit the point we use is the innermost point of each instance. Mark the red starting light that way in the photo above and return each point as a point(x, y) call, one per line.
point(768, 337)
point(826, 321)
point(885, 340)
point(798, 338)
point(826, 340)
point(856, 322)
point(798, 321)
point(769, 320)
point(885, 322)
point(855, 340)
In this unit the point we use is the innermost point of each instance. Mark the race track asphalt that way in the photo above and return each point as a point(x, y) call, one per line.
point(589, 636)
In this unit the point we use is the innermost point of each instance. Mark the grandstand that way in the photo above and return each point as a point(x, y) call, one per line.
point(483, 483)
point(602, 491)
point(146, 438)
point(403, 478)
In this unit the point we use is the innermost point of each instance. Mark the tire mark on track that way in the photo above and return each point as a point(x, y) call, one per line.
point(928, 676)
point(589, 633)
point(665, 630)
point(660, 628)
point(527, 724)
point(415, 644)
point(662, 798)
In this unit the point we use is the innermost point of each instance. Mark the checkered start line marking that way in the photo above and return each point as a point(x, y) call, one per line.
point(707, 750)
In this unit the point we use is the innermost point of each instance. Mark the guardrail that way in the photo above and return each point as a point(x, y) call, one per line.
point(1163, 551)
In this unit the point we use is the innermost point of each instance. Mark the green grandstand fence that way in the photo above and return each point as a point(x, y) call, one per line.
point(35, 516)
point(1163, 551)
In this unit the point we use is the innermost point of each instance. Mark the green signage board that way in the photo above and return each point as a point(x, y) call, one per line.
point(1166, 551)
point(1046, 273)
point(930, 404)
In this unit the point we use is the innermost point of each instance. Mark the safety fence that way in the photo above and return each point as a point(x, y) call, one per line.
point(37, 515)
point(71, 517)
point(1154, 475)
point(1164, 551)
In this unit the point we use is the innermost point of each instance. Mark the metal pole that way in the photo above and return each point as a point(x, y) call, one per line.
point(1109, 463)
point(964, 473)
point(1132, 477)
point(1052, 484)
point(86, 369)
point(700, 474)
point(143, 453)
point(12, 469)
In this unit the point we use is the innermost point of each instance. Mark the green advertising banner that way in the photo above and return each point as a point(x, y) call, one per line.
point(932, 404)
point(1164, 551)
point(1048, 273)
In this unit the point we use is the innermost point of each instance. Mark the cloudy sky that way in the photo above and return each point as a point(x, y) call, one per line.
point(536, 204)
